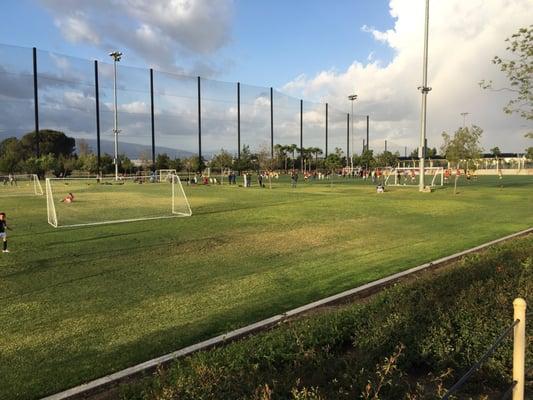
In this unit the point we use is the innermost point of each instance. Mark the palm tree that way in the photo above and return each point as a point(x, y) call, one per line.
point(292, 148)
point(317, 151)
point(281, 153)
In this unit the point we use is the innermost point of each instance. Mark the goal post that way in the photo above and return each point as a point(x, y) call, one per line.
point(74, 202)
point(165, 174)
point(405, 176)
point(20, 185)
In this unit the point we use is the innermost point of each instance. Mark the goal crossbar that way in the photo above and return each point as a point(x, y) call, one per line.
point(411, 176)
point(178, 206)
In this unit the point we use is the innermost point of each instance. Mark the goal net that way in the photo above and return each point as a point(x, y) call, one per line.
point(404, 176)
point(20, 185)
point(165, 175)
point(95, 201)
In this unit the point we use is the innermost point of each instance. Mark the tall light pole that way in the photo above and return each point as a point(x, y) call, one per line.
point(464, 114)
point(116, 55)
point(352, 98)
point(424, 89)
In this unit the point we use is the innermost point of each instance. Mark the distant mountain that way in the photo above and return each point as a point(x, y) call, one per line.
point(134, 151)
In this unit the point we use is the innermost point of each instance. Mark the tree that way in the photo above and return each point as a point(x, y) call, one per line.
point(162, 161)
point(10, 154)
point(463, 146)
point(88, 163)
point(333, 162)
point(429, 153)
point(245, 161)
point(387, 159)
point(49, 142)
point(518, 69)
point(176, 164)
point(125, 164)
point(367, 159)
point(496, 153)
point(222, 160)
point(529, 153)
point(83, 147)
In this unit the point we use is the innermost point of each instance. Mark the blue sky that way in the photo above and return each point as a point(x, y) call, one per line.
point(270, 43)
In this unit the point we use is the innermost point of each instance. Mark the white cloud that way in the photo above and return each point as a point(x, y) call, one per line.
point(75, 29)
point(463, 38)
point(161, 32)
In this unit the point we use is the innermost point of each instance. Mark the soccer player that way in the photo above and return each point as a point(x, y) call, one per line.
point(3, 233)
point(69, 198)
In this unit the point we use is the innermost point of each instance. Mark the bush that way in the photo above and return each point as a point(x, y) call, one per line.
point(430, 330)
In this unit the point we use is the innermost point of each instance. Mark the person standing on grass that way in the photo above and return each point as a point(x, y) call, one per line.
point(294, 179)
point(3, 233)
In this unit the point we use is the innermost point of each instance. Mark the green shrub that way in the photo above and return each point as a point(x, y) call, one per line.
point(442, 322)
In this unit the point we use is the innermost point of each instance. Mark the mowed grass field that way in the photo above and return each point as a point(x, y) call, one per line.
point(79, 303)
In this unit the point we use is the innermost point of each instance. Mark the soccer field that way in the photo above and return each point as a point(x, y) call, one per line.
point(79, 303)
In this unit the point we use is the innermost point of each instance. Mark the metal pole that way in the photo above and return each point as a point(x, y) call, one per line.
point(152, 116)
point(519, 348)
point(238, 120)
point(302, 135)
point(326, 154)
point(97, 101)
point(385, 144)
point(115, 128)
point(351, 159)
point(36, 102)
point(347, 138)
point(424, 89)
point(199, 124)
point(367, 130)
point(272, 122)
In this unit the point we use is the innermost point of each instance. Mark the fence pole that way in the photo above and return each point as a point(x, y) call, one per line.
point(239, 120)
point(347, 138)
point(519, 348)
point(367, 129)
point(302, 135)
point(272, 122)
point(152, 116)
point(36, 102)
point(199, 124)
point(326, 153)
point(97, 104)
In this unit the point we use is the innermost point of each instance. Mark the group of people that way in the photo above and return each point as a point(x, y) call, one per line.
point(10, 179)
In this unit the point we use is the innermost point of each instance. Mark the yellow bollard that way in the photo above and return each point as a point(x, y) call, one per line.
point(519, 348)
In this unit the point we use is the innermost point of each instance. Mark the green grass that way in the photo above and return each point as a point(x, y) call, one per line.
point(79, 303)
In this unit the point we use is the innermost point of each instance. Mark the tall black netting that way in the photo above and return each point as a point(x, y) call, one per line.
point(286, 120)
point(314, 126)
point(337, 132)
point(176, 115)
point(255, 117)
point(133, 110)
point(16, 91)
point(67, 101)
point(219, 117)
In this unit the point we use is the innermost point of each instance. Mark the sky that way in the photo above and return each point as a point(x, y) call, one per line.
point(316, 50)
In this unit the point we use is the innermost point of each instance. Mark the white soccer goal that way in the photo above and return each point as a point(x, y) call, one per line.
point(165, 175)
point(20, 185)
point(404, 176)
point(97, 201)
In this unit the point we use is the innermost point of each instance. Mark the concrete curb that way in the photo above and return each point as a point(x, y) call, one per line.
point(115, 378)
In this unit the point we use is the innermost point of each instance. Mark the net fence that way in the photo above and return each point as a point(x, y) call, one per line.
point(158, 113)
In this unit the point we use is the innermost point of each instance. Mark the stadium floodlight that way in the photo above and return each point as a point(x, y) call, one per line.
point(424, 89)
point(464, 114)
point(352, 98)
point(116, 55)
